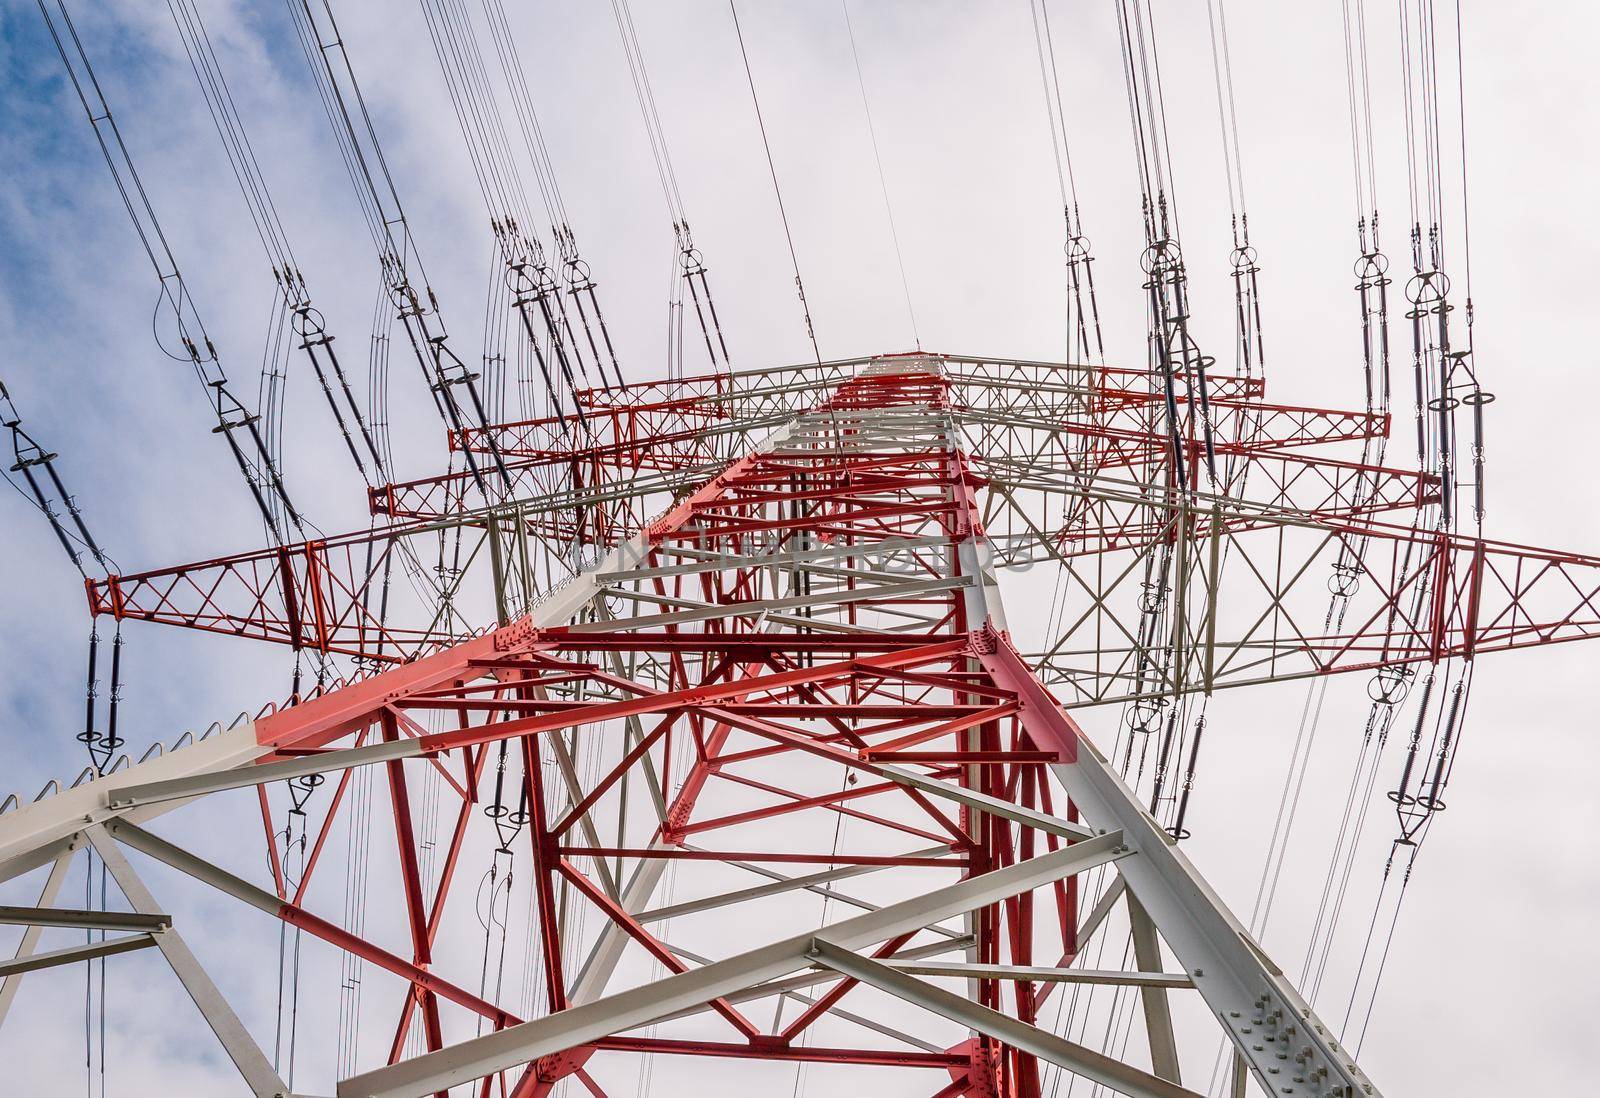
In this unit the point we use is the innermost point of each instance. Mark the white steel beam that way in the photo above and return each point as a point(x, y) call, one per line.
point(37, 832)
point(1041, 973)
point(85, 951)
point(1102, 908)
point(83, 919)
point(780, 883)
point(242, 1049)
point(1002, 1027)
point(1157, 1011)
point(30, 937)
point(983, 802)
point(640, 1006)
point(1290, 1050)
point(813, 976)
point(825, 976)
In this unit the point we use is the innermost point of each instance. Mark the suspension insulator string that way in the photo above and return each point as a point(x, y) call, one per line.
point(234, 422)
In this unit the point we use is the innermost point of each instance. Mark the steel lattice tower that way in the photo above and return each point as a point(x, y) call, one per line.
point(774, 748)
point(699, 694)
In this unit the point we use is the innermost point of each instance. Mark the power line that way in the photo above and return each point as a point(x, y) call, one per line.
point(236, 423)
point(1083, 308)
point(688, 263)
point(794, 259)
point(883, 182)
point(413, 299)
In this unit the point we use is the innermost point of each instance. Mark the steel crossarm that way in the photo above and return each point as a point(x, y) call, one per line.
point(1320, 514)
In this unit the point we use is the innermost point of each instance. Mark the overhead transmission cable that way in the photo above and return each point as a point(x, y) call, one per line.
point(1446, 381)
point(575, 272)
point(772, 170)
point(1155, 709)
point(555, 299)
point(1175, 362)
point(551, 317)
point(292, 298)
point(527, 274)
point(1086, 344)
point(1429, 757)
point(253, 449)
point(1249, 346)
point(1175, 357)
point(1185, 726)
point(292, 305)
point(296, 319)
point(688, 263)
point(47, 493)
point(237, 424)
point(1391, 683)
point(292, 312)
point(452, 384)
point(883, 181)
point(1159, 715)
point(1082, 307)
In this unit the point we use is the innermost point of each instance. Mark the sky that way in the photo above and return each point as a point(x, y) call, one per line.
point(1494, 967)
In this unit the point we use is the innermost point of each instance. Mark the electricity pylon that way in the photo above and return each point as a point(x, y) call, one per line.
point(781, 785)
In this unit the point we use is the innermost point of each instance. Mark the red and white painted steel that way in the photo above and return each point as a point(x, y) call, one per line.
point(784, 787)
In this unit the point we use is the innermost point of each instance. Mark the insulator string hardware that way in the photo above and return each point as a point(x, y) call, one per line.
point(692, 265)
point(554, 291)
point(453, 386)
point(306, 323)
point(689, 267)
point(352, 424)
point(47, 492)
point(185, 339)
point(581, 287)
